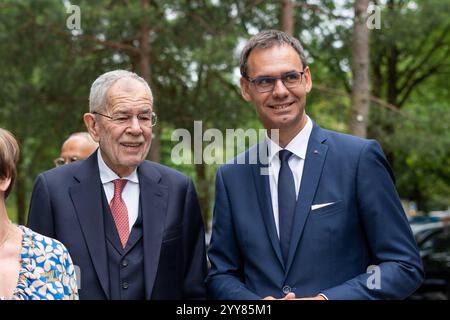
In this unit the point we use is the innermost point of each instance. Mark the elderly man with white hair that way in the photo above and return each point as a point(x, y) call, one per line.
point(133, 227)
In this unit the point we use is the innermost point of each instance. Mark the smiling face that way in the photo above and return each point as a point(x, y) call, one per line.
point(123, 147)
point(281, 108)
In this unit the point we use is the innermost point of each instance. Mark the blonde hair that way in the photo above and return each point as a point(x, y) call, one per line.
point(9, 156)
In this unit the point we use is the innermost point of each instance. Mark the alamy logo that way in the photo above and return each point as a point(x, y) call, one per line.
point(374, 280)
point(73, 22)
point(214, 146)
point(374, 18)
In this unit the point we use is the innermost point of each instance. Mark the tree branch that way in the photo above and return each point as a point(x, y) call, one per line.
point(408, 74)
point(374, 99)
point(417, 81)
point(205, 24)
point(106, 43)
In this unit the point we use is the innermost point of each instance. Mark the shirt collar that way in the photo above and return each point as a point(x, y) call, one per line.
point(297, 145)
point(107, 175)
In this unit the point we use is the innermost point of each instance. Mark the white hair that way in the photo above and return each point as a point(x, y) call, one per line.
point(101, 85)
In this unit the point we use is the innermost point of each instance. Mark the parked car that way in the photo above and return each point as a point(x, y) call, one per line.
point(419, 223)
point(434, 246)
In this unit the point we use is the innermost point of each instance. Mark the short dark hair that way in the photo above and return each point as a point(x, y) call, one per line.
point(9, 156)
point(267, 39)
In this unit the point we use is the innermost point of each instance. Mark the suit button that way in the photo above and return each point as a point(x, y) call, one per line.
point(286, 289)
point(124, 263)
point(125, 285)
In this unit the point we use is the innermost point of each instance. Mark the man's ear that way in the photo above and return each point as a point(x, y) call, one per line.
point(4, 184)
point(307, 79)
point(91, 126)
point(245, 89)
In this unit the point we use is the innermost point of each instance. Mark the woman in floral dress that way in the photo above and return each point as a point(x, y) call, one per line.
point(32, 266)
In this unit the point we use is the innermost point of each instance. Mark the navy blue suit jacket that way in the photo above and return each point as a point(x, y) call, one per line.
point(332, 246)
point(66, 204)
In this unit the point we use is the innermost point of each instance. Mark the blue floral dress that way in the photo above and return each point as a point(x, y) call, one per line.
point(46, 271)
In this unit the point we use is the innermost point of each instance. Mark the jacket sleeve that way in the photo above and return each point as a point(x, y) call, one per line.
point(193, 247)
point(40, 216)
point(397, 268)
point(225, 276)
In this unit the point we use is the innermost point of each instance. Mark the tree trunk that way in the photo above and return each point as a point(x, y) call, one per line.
point(144, 62)
point(287, 17)
point(360, 71)
point(203, 192)
point(392, 87)
point(377, 77)
point(392, 72)
point(392, 92)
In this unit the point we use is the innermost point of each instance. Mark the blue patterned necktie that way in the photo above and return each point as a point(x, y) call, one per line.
point(286, 202)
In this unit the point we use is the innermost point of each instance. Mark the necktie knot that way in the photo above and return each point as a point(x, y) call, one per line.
point(284, 156)
point(119, 184)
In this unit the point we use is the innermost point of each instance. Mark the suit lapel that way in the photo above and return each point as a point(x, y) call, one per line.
point(261, 180)
point(153, 198)
point(87, 199)
point(312, 171)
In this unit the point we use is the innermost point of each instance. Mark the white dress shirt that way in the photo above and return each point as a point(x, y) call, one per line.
point(130, 194)
point(297, 146)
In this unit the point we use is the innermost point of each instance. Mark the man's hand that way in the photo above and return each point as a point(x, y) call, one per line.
point(291, 296)
point(318, 297)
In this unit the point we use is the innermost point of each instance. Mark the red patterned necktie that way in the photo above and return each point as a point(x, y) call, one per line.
point(120, 212)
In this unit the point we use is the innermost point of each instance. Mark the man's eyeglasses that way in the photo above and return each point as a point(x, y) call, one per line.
point(146, 119)
point(61, 161)
point(266, 83)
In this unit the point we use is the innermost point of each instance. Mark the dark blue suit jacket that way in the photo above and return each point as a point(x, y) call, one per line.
point(66, 204)
point(332, 246)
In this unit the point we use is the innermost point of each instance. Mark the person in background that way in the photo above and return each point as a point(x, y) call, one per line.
point(326, 221)
point(32, 266)
point(78, 146)
point(134, 227)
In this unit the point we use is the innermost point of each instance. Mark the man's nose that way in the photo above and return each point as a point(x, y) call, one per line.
point(135, 126)
point(279, 89)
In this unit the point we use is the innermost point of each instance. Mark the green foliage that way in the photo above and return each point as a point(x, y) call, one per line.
point(412, 45)
point(422, 157)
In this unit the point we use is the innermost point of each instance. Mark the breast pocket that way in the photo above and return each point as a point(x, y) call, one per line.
point(329, 210)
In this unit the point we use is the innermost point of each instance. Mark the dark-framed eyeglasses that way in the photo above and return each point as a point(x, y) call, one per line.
point(146, 119)
point(266, 83)
point(61, 161)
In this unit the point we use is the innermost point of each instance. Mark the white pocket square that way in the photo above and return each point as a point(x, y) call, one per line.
point(318, 206)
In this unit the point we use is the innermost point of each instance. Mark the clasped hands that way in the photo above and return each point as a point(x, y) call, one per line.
point(291, 296)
